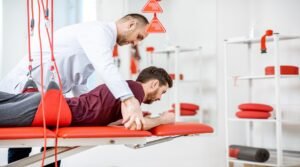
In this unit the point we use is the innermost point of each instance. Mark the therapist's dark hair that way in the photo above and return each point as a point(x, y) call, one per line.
point(142, 19)
point(153, 72)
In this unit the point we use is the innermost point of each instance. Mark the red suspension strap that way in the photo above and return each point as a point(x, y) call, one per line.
point(54, 65)
point(42, 83)
point(45, 101)
point(263, 47)
point(59, 81)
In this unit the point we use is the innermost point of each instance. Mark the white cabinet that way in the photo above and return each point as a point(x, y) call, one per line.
point(277, 158)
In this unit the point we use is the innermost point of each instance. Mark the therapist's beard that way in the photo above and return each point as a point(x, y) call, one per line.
point(123, 38)
point(122, 42)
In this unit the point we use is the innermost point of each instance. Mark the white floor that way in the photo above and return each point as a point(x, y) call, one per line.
point(196, 151)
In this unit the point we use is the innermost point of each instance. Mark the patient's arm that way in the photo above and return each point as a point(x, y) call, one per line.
point(164, 118)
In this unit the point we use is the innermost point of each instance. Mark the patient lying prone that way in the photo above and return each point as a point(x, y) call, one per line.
point(95, 108)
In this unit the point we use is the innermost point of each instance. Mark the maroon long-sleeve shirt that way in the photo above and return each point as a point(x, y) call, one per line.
point(99, 107)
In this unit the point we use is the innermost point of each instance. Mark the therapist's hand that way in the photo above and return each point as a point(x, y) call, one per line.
point(132, 114)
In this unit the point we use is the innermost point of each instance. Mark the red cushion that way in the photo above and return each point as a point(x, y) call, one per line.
point(100, 131)
point(24, 133)
point(185, 112)
point(181, 128)
point(253, 114)
point(255, 107)
point(188, 106)
point(284, 70)
point(52, 100)
point(173, 76)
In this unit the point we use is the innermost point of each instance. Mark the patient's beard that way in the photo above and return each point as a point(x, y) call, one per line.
point(151, 97)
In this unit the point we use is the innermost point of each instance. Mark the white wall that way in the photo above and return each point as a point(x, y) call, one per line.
point(1, 35)
point(14, 33)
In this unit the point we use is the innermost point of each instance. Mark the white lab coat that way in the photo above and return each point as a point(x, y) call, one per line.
point(79, 50)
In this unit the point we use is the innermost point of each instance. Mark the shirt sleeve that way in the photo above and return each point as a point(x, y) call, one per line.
point(96, 43)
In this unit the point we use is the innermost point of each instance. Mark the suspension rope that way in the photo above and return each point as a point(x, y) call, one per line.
point(54, 65)
point(30, 26)
point(42, 83)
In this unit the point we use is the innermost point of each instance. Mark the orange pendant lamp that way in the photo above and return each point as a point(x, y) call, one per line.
point(155, 26)
point(152, 6)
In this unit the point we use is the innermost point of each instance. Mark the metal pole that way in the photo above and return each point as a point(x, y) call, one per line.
point(226, 104)
point(249, 125)
point(277, 101)
point(176, 83)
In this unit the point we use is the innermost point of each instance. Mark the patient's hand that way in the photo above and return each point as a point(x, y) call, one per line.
point(119, 122)
point(133, 127)
point(167, 117)
point(164, 118)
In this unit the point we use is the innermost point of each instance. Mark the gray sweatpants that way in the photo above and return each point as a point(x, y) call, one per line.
point(18, 109)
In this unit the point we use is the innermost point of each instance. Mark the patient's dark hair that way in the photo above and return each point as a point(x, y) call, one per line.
point(142, 19)
point(153, 72)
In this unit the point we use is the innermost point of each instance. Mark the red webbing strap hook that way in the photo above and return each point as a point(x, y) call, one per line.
point(263, 47)
point(42, 83)
point(30, 85)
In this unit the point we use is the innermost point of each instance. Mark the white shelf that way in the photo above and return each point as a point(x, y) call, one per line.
point(172, 50)
point(278, 157)
point(253, 77)
point(270, 120)
point(291, 122)
point(246, 40)
point(252, 120)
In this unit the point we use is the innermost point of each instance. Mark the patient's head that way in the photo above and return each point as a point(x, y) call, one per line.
point(155, 82)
